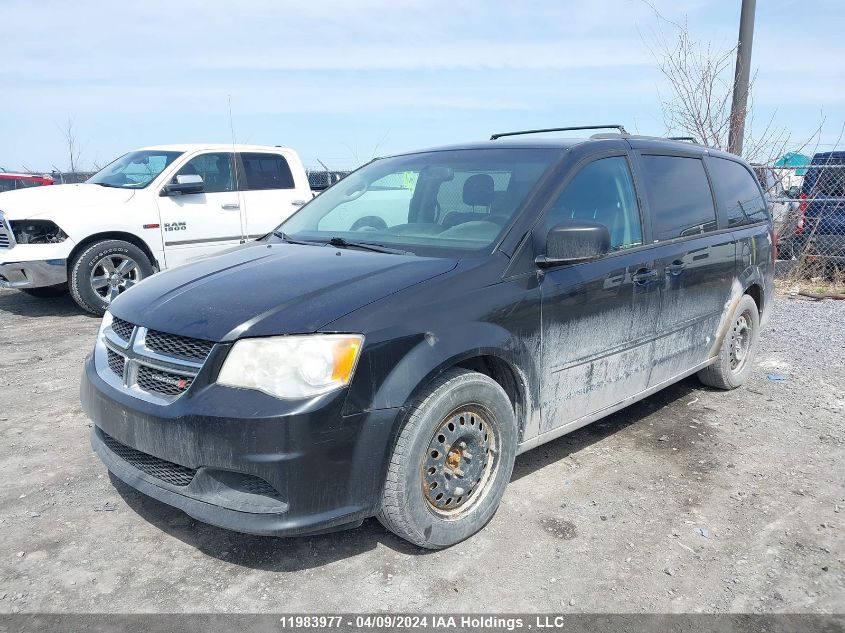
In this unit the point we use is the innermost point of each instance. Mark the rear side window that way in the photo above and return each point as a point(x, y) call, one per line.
point(679, 196)
point(737, 192)
point(603, 191)
point(266, 171)
point(826, 180)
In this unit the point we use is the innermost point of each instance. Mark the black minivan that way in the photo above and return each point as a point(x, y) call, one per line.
point(393, 346)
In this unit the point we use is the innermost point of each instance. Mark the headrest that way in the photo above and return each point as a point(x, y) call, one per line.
point(478, 190)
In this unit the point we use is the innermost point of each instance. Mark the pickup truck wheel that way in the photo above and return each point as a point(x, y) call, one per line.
point(46, 292)
point(738, 349)
point(104, 270)
point(451, 462)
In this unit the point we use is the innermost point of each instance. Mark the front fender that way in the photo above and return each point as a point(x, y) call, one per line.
point(391, 374)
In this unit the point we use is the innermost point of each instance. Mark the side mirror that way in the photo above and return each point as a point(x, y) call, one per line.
point(185, 184)
point(575, 241)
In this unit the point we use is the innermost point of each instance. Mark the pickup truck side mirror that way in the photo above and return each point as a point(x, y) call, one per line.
point(575, 241)
point(185, 184)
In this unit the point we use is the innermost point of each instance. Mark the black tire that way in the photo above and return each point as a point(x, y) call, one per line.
point(466, 400)
point(94, 259)
point(738, 350)
point(47, 292)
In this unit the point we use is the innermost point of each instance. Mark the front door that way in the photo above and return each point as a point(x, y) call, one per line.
point(198, 224)
point(597, 317)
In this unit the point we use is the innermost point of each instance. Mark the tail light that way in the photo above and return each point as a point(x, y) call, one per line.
point(774, 243)
point(802, 213)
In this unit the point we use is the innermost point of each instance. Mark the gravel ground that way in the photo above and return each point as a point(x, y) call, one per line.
point(692, 500)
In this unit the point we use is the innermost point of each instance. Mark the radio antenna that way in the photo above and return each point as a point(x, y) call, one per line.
point(235, 163)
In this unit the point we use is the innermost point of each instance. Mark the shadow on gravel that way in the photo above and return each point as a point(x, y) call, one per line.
point(263, 552)
point(20, 303)
point(576, 441)
point(307, 552)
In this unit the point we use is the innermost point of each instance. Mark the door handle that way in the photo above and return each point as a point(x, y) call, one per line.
point(644, 275)
point(230, 206)
point(298, 203)
point(675, 268)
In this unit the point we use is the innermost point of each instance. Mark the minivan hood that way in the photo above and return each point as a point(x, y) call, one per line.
point(268, 289)
point(53, 200)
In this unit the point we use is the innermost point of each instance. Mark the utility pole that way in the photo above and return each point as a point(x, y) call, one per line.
point(741, 75)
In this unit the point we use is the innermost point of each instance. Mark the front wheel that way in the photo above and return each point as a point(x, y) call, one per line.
point(104, 270)
point(738, 349)
point(451, 462)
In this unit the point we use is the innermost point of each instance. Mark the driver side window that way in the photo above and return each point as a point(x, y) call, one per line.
point(603, 191)
point(216, 170)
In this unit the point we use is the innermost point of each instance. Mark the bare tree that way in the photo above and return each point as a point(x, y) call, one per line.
point(700, 78)
point(73, 148)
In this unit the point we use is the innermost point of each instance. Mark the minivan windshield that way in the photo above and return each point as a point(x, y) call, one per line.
point(134, 170)
point(424, 203)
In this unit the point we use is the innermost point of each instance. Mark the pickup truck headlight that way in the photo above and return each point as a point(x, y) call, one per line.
point(290, 367)
point(37, 232)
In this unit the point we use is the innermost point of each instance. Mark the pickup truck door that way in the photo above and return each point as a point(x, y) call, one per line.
point(198, 224)
point(270, 189)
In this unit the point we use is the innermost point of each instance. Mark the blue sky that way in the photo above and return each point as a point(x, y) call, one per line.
point(344, 80)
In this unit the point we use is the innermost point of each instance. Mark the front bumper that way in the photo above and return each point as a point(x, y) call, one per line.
point(322, 470)
point(32, 274)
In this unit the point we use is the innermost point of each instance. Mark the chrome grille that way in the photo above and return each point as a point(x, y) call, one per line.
point(116, 362)
point(181, 346)
point(154, 366)
point(122, 328)
point(171, 473)
point(163, 382)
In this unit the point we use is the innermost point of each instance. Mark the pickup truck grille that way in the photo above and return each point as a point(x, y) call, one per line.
point(152, 365)
point(7, 239)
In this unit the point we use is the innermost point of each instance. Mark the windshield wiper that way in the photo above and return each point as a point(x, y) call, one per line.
point(340, 242)
point(105, 184)
point(287, 238)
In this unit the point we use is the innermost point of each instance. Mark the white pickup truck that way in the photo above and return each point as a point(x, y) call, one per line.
point(151, 209)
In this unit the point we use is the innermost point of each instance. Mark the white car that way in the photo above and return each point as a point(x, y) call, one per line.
point(151, 209)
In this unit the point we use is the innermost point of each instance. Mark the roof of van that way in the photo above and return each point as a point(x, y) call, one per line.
point(530, 142)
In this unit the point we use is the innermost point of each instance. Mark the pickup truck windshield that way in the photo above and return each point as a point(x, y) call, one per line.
point(445, 200)
point(134, 170)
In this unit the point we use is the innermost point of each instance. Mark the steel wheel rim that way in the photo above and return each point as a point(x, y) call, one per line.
point(740, 342)
point(461, 459)
point(112, 274)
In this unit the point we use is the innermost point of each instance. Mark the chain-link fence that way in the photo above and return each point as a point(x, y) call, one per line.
point(808, 209)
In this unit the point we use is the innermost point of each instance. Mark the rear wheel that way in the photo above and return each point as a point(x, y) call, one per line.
point(738, 349)
point(47, 292)
point(104, 270)
point(452, 461)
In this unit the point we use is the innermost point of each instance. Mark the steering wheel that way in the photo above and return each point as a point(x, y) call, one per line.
point(369, 223)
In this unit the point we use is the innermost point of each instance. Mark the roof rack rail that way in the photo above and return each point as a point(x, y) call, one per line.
point(690, 139)
point(560, 129)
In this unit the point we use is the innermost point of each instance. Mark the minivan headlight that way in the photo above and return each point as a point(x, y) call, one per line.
point(291, 367)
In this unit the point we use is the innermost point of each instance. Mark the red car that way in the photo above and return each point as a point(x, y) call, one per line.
point(10, 181)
